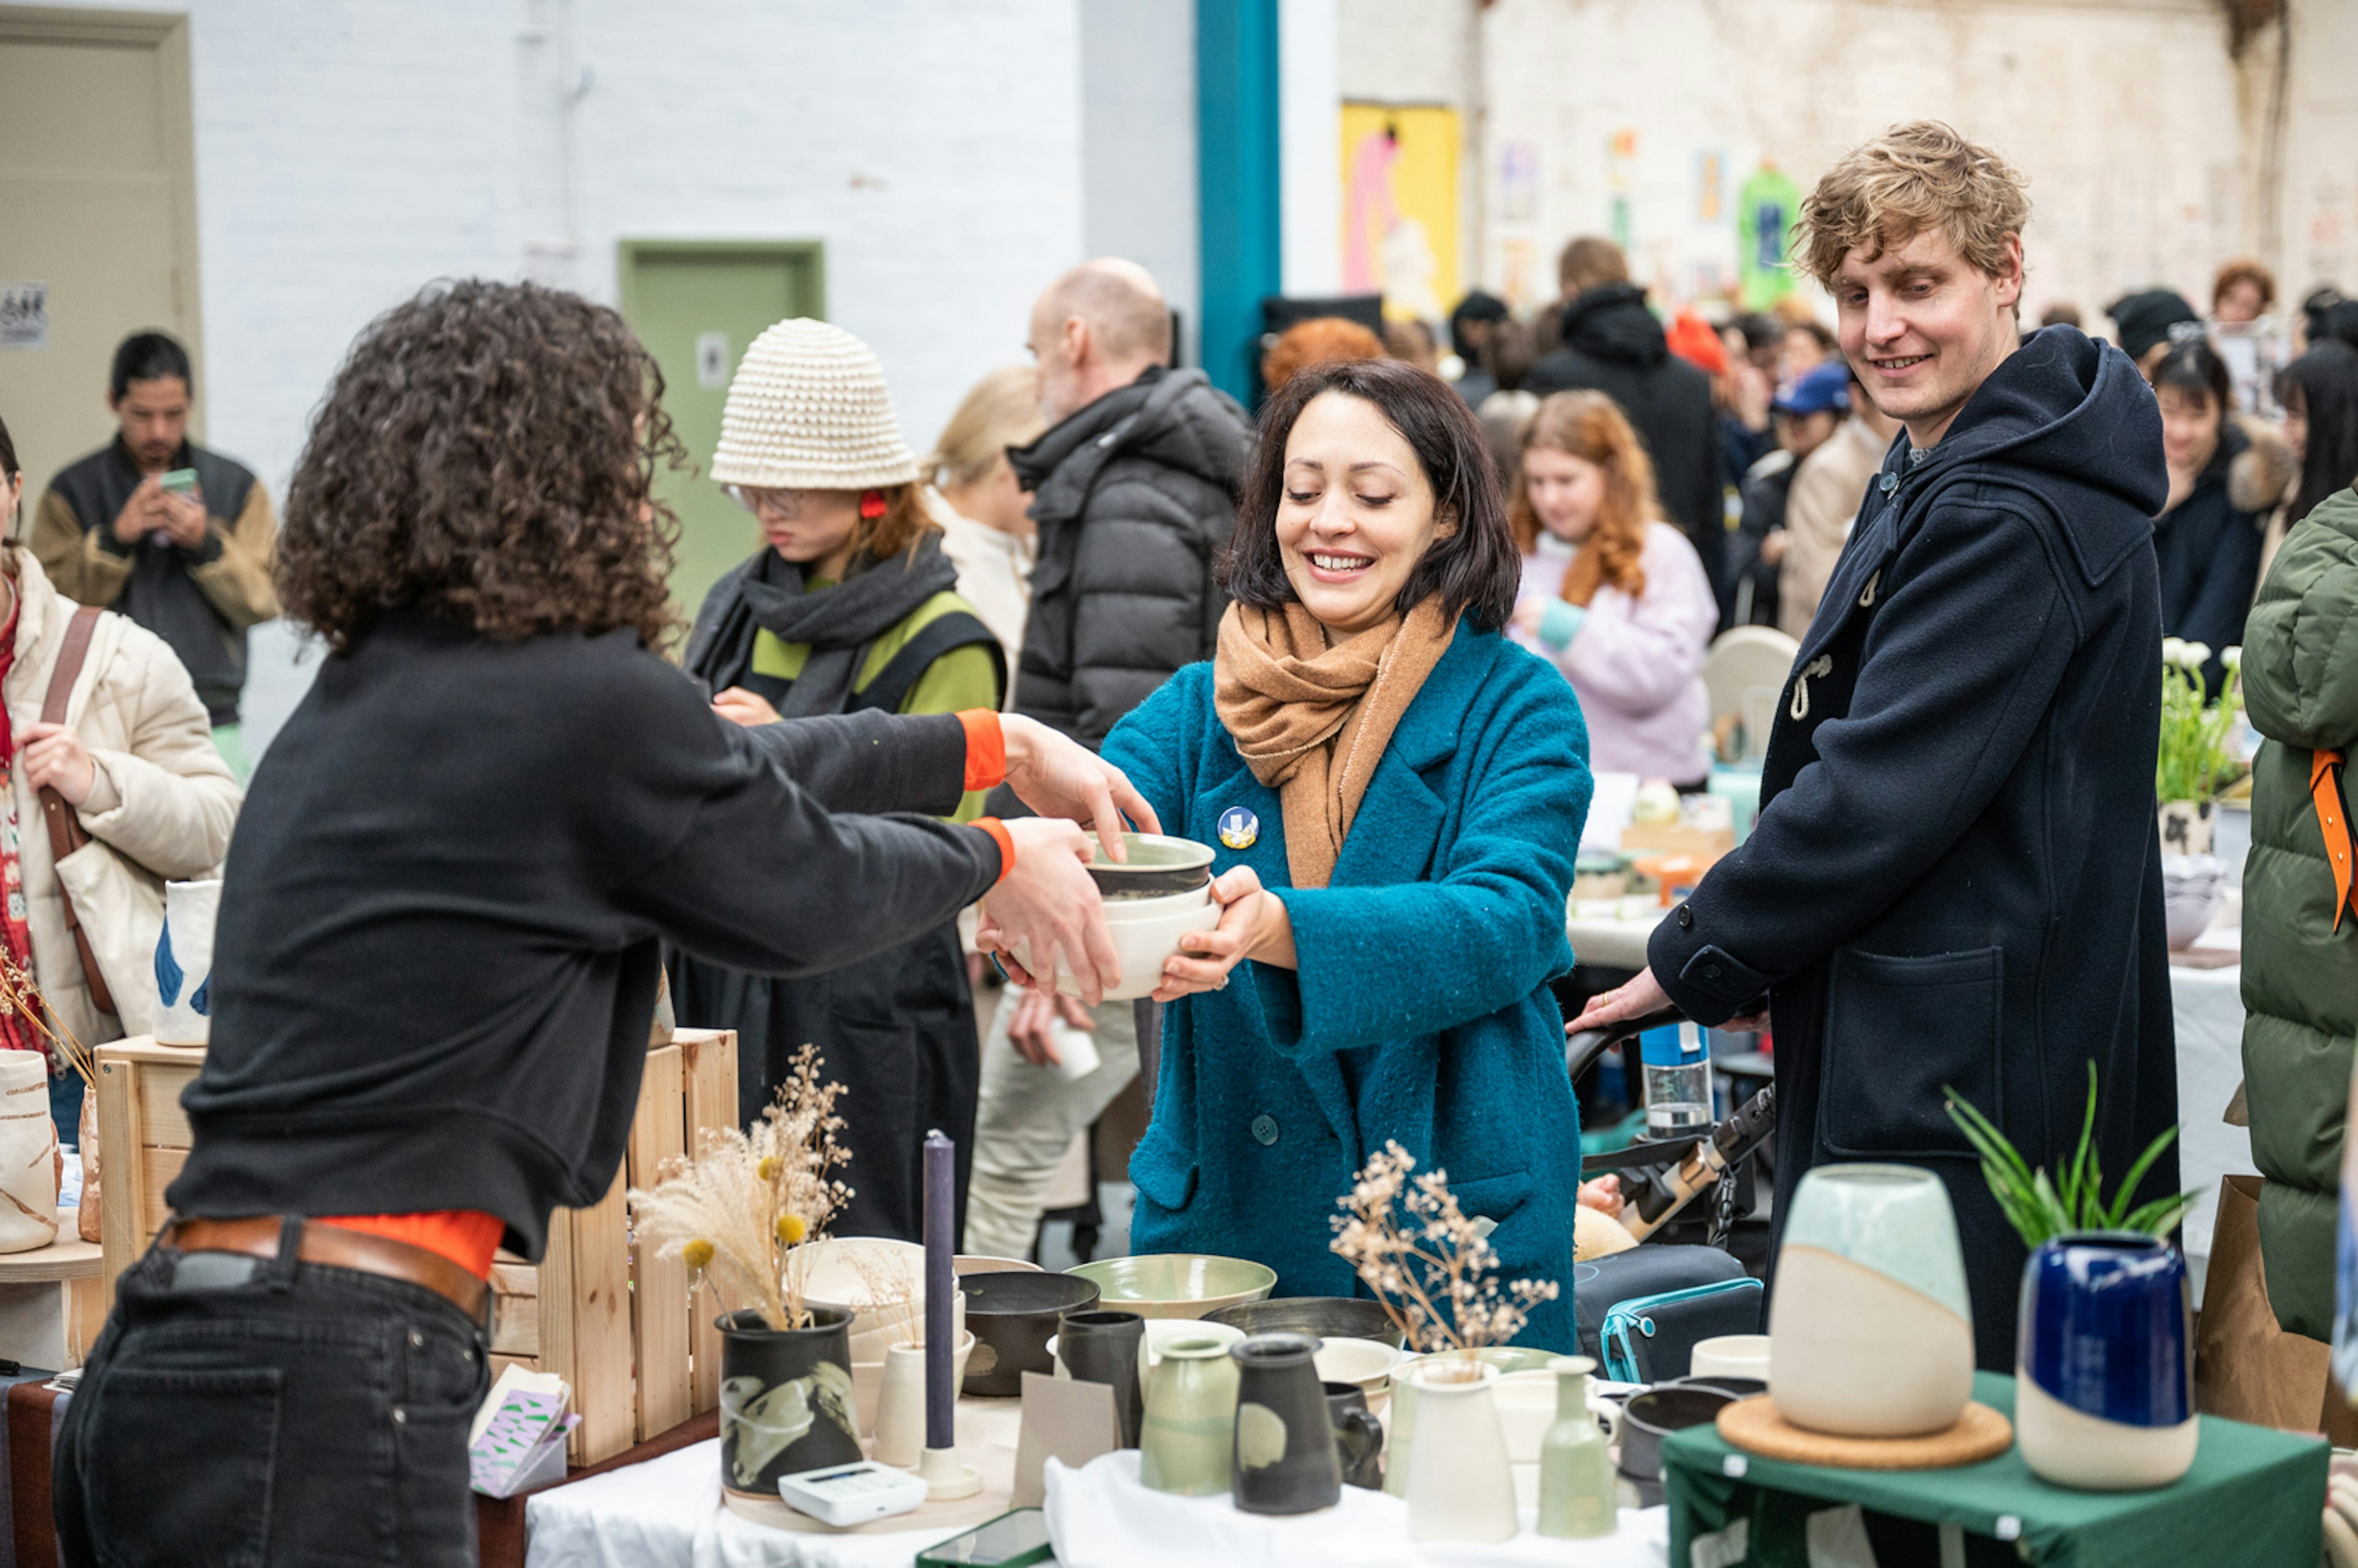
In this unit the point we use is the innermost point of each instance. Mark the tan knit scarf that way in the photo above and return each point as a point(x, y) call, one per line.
point(1312, 721)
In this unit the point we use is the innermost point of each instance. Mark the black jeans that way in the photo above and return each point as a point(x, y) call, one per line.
point(245, 1414)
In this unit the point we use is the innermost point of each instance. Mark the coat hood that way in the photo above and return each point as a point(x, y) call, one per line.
point(1613, 323)
point(1174, 417)
point(2064, 416)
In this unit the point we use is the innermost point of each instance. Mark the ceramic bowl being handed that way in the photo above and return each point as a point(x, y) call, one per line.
point(1145, 932)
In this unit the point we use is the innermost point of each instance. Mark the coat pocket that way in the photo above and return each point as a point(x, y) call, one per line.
point(1165, 1174)
point(1898, 1032)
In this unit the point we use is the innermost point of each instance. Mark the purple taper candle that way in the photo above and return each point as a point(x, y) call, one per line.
point(941, 1393)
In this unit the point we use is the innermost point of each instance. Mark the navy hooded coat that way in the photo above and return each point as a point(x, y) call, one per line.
point(1956, 879)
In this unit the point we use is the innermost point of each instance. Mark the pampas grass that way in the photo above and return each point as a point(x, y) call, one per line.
point(741, 1212)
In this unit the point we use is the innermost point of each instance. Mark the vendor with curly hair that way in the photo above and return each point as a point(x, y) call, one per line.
point(437, 961)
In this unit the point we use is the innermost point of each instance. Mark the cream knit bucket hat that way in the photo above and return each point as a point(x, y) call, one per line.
point(808, 410)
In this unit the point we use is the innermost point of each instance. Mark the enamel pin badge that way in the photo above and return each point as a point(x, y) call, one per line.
point(1238, 827)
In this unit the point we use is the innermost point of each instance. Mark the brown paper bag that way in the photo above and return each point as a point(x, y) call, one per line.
point(2247, 1366)
point(87, 1139)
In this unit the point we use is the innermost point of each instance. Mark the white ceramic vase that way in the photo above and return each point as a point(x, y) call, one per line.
point(28, 1154)
point(1461, 1484)
point(184, 963)
point(900, 1408)
point(1870, 1330)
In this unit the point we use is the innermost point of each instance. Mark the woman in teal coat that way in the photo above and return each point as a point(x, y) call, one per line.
point(1396, 793)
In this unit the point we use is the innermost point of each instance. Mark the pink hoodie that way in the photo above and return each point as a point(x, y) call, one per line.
point(1636, 664)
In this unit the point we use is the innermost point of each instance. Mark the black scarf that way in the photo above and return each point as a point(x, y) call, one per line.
point(839, 623)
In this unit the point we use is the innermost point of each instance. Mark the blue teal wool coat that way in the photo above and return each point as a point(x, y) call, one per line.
point(1420, 1011)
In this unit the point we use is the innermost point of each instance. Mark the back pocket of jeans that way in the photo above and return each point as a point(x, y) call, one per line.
point(178, 1466)
point(1898, 1032)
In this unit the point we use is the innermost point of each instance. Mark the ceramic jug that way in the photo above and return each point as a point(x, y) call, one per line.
point(1285, 1456)
point(1870, 1332)
point(2104, 1363)
point(1103, 1348)
point(1461, 1486)
point(1359, 1435)
point(1576, 1488)
point(1187, 1442)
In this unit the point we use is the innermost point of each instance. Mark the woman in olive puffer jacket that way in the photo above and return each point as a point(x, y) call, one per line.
point(2301, 963)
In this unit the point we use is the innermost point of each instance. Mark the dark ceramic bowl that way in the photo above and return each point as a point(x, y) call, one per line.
point(1012, 1316)
point(1319, 1317)
point(1653, 1415)
point(1159, 865)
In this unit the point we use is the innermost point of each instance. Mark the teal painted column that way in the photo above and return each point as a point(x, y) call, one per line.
point(1239, 226)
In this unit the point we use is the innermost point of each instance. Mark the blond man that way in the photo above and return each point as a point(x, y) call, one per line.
point(1955, 881)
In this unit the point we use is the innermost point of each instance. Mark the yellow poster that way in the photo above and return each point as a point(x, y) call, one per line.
point(1399, 207)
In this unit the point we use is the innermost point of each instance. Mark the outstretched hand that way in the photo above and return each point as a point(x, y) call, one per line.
point(1057, 776)
point(1047, 905)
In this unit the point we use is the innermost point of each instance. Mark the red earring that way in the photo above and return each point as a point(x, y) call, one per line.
point(872, 504)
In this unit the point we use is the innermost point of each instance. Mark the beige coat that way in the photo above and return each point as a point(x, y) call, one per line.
point(163, 800)
point(1819, 509)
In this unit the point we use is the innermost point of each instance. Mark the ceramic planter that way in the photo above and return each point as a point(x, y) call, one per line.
point(2104, 1368)
point(2186, 826)
point(1577, 1485)
point(785, 1400)
point(1285, 1457)
point(1359, 1435)
point(1460, 1484)
point(1103, 1348)
point(1187, 1442)
point(1870, 1330)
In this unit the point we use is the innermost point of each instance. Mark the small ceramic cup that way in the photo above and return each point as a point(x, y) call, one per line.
point(1732, 1356)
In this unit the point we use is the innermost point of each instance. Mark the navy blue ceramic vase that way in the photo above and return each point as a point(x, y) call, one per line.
point(2104, 1363)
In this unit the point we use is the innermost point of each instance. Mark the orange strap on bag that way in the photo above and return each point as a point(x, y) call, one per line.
point(2325, 789)
point(66, 831)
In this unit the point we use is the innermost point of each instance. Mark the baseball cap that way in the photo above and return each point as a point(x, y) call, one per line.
point(1817, 390)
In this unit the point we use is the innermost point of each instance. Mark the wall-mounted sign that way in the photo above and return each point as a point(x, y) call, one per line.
point(24, 315)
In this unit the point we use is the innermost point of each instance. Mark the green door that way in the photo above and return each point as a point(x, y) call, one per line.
point(697, 305)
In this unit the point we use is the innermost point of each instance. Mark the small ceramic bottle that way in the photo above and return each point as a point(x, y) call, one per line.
point(1187, 1444)
point(1576, 1486)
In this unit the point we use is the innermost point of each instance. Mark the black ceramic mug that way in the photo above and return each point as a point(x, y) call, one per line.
point(1103, 1348)
point(1359, 1435)
point(1285, 1457)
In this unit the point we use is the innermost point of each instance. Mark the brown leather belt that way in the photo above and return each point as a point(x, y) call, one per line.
point(337, 1248)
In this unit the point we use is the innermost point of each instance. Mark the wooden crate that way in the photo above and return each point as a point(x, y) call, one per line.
point(642, 1358)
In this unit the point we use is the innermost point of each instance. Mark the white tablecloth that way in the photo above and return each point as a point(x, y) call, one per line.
point(1100, 1517)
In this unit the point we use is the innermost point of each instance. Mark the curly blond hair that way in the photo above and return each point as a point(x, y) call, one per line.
point(1922, 175)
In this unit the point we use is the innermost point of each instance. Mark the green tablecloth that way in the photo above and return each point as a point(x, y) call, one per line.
point(2252, 1499)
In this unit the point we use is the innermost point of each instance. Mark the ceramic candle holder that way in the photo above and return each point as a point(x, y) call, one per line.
point(2104, 1370)
point(1870, 1330)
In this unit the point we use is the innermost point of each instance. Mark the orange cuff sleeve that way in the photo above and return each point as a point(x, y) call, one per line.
point(1006, 840)
point(986, 751)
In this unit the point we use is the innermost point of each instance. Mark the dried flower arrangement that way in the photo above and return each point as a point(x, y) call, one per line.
point(1431, 1270)
point(20, 997)
point(893, 1296)
point(739, 1213)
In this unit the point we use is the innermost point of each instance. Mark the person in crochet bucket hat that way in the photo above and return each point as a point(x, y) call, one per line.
point(848, 604)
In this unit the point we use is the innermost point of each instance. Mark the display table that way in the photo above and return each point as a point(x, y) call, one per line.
point(2253, 1499)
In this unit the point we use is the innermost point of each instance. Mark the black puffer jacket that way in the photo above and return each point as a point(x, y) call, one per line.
point(1612, 344)
point(1136, 496)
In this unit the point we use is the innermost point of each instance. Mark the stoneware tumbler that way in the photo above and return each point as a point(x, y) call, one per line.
point(1188, 1439)
point(2104, 1363)
point(1870, 1332)
point(1286, 1461)
point(1103, 1348)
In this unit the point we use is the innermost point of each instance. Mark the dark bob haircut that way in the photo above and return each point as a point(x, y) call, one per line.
point(2194, 367)
point(148, 356)
point(486, 454)
point(1474, 570)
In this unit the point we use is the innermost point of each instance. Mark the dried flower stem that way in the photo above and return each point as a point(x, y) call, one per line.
point(1438, 1259)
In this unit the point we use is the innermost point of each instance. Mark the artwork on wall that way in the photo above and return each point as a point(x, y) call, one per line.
point(1711, 181)
point(1399, 207)
point(1519, 182)
point(1765, 209)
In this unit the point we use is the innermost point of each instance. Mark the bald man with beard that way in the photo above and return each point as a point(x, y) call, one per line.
point(1135, 494)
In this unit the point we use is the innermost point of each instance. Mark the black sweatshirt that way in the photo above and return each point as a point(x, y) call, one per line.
point(435, 964)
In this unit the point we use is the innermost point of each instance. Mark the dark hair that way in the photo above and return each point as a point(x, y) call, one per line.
point(1477, 306)
point(148, 356)
point(1760, 331)
point(2324, 381)
point(478, 456)
point(2315, 307)
point(7, 452)
point(1475, 570)
point(2341, 322)
point(1819, 334)
point(2192, 366)
point(1510, 353)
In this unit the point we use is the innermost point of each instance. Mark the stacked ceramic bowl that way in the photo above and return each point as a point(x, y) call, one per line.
point(1159, 894)
point(882, 1283)
point(2192, 889)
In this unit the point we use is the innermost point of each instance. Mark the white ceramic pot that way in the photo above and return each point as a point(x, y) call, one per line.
point(1461, 1482)
point(28, 1155)
point(1146, 932)
point(1732, 1356)
point(1870, 1331)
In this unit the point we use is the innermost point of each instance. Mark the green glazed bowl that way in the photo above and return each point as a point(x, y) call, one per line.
point(1176, 1284)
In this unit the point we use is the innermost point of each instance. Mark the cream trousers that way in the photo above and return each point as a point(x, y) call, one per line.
point(1025, 1119)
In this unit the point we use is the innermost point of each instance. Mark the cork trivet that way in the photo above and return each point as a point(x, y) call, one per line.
point(1754, 1425)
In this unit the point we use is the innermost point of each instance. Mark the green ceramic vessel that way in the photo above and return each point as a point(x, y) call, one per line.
point(1176, 1284)
point(1187, 1443)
